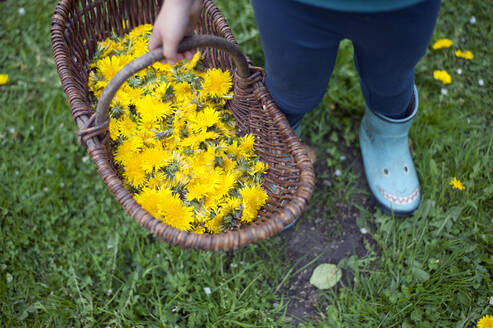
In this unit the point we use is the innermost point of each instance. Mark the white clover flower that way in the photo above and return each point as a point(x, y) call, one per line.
point(459, 71)
point(22, 11)
point(472, 20)
point(364, 231)
point(207, 290)
point(338, 172)
point(444, 91)
point(481, 82)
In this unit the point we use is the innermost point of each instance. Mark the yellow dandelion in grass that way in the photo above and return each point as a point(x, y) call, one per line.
point(442, 76)
point(216, 83)
point(254, 197)
point(4, 79)
point(464, 54)
point(486, 322)
point(442, 43)
point(456, 184)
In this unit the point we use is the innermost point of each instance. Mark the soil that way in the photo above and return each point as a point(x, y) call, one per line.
point(331, 238)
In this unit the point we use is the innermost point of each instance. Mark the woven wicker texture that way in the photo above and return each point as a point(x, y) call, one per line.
point(77, 27)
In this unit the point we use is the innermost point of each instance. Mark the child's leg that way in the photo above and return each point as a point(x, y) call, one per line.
point(387, 48)
point(300, 53)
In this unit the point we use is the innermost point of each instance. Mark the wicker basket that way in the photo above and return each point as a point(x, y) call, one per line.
point(77, 26)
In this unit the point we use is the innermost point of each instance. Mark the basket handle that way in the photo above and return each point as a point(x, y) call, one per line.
point(189, 43)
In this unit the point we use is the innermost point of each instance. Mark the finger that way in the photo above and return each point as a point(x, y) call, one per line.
point(155, 40)
point(189, 54)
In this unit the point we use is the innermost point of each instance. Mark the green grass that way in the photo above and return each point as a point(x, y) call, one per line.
point(72, 257)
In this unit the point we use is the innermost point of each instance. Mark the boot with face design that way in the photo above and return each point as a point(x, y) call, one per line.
point(389, 167)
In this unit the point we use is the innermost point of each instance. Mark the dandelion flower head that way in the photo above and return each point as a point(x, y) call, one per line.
point(486, 322)
point(442, 43)
point(457, 184)
point(4, 79)
point(442, 76)
point(464, 54)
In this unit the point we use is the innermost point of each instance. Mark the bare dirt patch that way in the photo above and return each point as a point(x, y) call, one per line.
point(320, 237)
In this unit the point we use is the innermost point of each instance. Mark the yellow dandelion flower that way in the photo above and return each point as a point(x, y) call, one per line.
point(204, 183)
point(464, 54)
point(114, 129)
point(4, 79)
point(442, 76)
point(157, 180)
point(154, 158)
point(162, 68)
point(125, 151)
point(151, 108)
point(486, 322)
point(456, 184)
point(253, 199)
point(214, 224)
point(193, 63)
point(183, 92)
point(121, 99)
point(228, 181)
point(216, 83)
point(206, 118)
point(109, 66)
point(106, 47)
point(174, 212)
point(442, 43)
point(149, 199)
point(234, 149)
point(127, 126)
point(228, 164)
point(140, 30)
point(232, 204)
point(259, 167)
point(134, 172)
point(246, 145)
point(139, 47)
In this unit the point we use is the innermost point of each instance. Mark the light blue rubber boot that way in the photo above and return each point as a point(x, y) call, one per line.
point(389, 167)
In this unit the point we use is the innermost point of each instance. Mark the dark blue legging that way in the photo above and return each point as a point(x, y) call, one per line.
point(300, 45)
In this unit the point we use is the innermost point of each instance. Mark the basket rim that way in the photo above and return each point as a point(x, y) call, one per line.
point(98, 150)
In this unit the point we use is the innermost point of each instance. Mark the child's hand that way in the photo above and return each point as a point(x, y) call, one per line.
point(176, 20)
